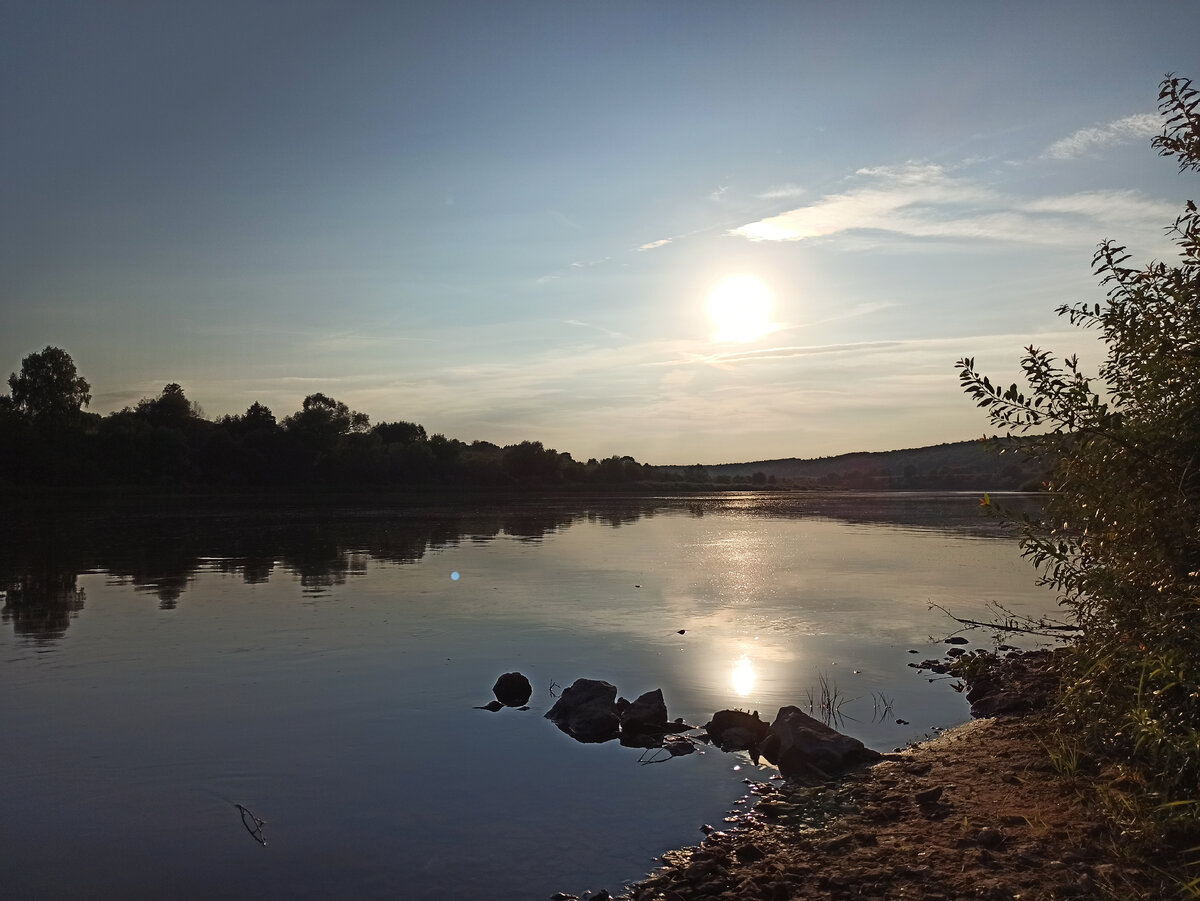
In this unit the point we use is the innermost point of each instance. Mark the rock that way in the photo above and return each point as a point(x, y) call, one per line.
point(493, 706)
point(678, 745)
point(989, 837)
point(750, 852)
point(587, 711)
point(928, 796)
point(956, 639)
point(647, 713)
point(736, 730)
point(512, 690)
point(808, 747)
point(955, 652)
point(1013, 684)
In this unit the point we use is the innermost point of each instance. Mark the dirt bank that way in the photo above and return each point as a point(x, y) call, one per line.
point(981, 812)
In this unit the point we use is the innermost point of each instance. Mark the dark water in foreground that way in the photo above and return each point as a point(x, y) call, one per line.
point(322, 669)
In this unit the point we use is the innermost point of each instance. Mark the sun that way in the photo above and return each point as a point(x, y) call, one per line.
point(740, 308)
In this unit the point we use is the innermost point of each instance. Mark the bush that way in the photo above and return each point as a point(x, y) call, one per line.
point(1120, 535)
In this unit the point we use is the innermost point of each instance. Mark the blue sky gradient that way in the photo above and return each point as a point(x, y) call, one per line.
point(503, 221)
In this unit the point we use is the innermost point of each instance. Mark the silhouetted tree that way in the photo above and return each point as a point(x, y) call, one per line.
point(399, 432)
point(258, 417)
point(48, 385)
point(170, 409)
point(322, 416)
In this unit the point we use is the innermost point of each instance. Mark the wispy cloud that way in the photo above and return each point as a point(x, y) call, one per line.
point(350, 342)
point(926, 201)
point(771, 353)
point(652, 245)
point(781, 192)
point(656, 399)
point(598, 328)
point(1086, 140)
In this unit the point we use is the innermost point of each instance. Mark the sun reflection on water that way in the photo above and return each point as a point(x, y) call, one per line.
point(743, 676)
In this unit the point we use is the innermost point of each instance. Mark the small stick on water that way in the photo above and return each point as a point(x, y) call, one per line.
point(255, 830)
point(654, 758)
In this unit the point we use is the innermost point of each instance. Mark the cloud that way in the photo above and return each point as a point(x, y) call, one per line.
point(1122, 131)
point(663, 242)
point(774, 353)
point(879, 202)
point(354, 343)
point(599, 328)
point(1125, 206)
point(927, 202)
point(781, 192)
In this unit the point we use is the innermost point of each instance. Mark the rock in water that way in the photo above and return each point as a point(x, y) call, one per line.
point(807, 747)
point(587, 711)
point(678, 745)
point(512, 690)
point(647, 713)
point(736, 730)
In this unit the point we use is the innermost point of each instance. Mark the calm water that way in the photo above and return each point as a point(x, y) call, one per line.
point(321, 668)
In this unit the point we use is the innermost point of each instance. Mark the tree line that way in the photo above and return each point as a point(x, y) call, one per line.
point(47, 438)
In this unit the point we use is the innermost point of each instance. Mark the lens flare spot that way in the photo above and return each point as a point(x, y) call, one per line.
point(454, 576)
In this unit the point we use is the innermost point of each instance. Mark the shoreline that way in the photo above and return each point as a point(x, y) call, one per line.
point(981, 811)
point(995, 808)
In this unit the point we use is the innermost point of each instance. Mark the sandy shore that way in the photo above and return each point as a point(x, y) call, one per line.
point(980, 812)
point(983, 811)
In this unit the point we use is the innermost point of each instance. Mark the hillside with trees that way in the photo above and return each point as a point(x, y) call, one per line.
point(983, 465)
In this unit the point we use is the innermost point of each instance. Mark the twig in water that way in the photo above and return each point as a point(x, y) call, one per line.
point(1014, 623)
point(253, 825)
point(654, 758)
point(883, 707)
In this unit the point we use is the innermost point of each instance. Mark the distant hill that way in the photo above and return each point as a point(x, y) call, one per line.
point(982, 465)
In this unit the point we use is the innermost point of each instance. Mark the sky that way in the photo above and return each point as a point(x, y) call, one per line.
point(683, 231)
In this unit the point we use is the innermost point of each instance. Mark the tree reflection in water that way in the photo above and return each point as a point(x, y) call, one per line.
point(43, 552)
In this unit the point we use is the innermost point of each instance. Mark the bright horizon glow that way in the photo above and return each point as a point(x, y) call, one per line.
point(740, 308)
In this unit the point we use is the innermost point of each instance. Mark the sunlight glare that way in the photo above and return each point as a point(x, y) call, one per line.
point(740, 308)
point(743, 677)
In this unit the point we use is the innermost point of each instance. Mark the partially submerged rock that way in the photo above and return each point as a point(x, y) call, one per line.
point(646, 714)
point(512, 690)
point(804, 747)
point(587, 711)
point(678, 745)
point(736, 730)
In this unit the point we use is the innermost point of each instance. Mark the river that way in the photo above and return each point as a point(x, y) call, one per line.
point(322, 667)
